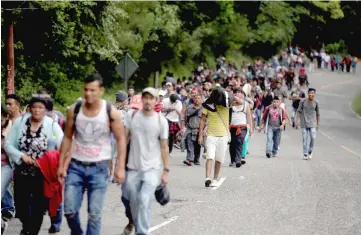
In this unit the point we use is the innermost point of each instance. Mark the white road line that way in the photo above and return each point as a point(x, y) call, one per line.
point(344, 147)
point(152, 229)
point(327, 136)
point(220, 182)
point(351, 151)
point(353, 111)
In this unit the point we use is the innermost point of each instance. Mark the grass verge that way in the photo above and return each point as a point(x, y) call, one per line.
point(356, 103)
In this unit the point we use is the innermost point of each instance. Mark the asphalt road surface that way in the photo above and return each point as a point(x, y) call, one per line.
point(282, 195)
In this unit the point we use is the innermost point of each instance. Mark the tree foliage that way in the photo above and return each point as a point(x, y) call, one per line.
point(58, 43)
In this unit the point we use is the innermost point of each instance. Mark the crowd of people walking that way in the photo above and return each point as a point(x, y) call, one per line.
point(129, 142)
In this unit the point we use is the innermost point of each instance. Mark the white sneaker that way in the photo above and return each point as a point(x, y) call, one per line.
point(214, 183)
point(305, 157)
point(310, 156)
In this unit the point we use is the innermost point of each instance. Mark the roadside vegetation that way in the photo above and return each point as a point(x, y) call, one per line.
point(356, 104)
point(58, 43)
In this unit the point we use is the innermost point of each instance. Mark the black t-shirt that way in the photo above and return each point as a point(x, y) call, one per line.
point(300, 94)
point(267, 100)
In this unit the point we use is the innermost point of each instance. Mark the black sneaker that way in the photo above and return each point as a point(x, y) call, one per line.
point(208, 182)
point(243, 161)
point(197, 163)
point(52, 230)
point(268, 155)
point(232, 164)
point(128, 229)
point(7, 215)
point(238, 164)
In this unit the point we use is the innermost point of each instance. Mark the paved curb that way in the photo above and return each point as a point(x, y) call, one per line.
point(353, 111)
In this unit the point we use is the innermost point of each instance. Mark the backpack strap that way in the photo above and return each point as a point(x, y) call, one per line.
point(109, 112)
point(76, 111)
point(244, 110)
point(281, 110)
point(78, 106)
point(61, 123)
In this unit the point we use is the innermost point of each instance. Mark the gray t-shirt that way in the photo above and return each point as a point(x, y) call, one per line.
point(309, 110)
point(280, 92)
point(145, 131)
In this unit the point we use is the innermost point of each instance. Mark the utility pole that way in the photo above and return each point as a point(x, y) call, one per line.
point(10, 88)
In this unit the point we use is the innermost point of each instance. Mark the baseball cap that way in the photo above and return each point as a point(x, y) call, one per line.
point(121, 96)
point(150, 90)
point(162, 93)
point(169, 84)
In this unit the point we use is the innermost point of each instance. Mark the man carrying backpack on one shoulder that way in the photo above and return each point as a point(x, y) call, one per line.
point(91, 121)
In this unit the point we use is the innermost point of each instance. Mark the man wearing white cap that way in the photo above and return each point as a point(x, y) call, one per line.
point(148, 158)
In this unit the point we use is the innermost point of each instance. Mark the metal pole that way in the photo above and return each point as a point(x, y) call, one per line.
point(126, 72)
point(10, 88)
point(156, 82)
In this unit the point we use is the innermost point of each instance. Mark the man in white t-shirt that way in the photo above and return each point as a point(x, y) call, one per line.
point(172, 110)
point(148, 158)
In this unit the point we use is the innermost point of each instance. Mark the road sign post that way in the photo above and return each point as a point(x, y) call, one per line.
point(126, 67)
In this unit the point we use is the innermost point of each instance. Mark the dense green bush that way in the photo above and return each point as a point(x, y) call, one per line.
point(58, 43)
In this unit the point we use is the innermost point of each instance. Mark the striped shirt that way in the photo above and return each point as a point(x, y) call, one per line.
point(215, 124)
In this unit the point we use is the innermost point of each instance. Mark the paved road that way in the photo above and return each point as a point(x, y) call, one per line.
point(283, 195)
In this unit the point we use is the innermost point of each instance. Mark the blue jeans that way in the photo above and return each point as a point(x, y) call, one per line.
point(237, 144)
point(293, 115)
point(273, 139)
point(141, 187)
point(56, 220)
point(257, 118)
point(308, 146)
point(245, 144)
point(193, 148)
point(94, 179)
point(7, 200)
